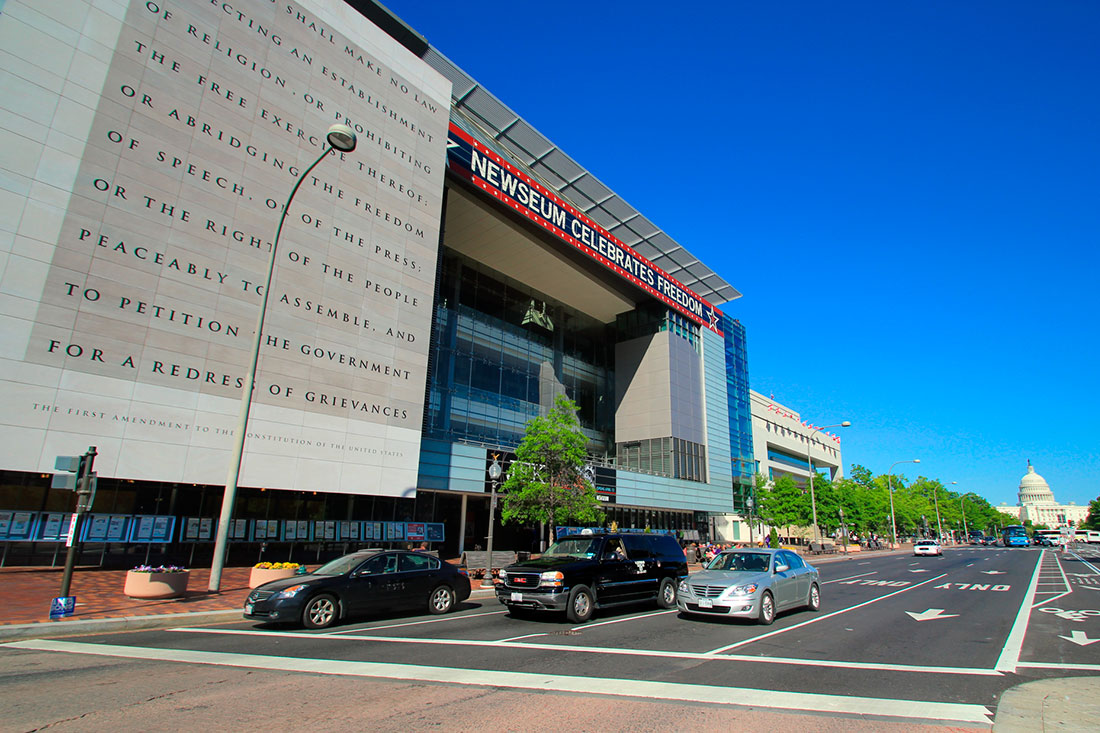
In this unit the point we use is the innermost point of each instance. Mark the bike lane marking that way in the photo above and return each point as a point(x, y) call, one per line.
point(1010, 654)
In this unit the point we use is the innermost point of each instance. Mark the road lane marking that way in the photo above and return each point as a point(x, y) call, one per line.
point(1056, 665)
point(628, 618)
point(525, 636)
point(719, 650)
point(931, 614)
point(678, 691)
point(614, 651)
point(413, 623)
point(873, 572)
point(1010, 654)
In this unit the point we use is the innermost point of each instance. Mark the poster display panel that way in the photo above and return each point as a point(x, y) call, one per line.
point(144, 243)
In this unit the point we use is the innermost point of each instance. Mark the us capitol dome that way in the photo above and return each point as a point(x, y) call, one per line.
point(1038, 504)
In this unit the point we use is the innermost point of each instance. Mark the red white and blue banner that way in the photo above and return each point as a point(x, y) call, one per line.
point(501, 180)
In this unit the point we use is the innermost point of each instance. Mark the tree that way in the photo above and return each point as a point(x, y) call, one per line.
point(1092, 521)
point(547, 481)
point(783, 503)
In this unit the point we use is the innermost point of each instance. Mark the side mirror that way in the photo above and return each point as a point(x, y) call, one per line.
point(782, 568)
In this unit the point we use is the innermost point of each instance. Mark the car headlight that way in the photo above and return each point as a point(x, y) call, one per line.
point(743, 590)
point(551, 578)
point(502, 575)
point(291, 591)
point(683, 587)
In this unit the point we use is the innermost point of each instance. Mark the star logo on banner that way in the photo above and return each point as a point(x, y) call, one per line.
point(713, 318)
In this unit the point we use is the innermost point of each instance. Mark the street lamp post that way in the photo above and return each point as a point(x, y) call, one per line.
point(962, 508)
point(939, 524)
point(494, 479)
point(890, 488)
point(843, 530)
point(810, 465)
point(750, 502)
point(339, 137)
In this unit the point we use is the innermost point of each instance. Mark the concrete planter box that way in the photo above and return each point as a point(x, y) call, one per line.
point(156, 585)
point(260, 576)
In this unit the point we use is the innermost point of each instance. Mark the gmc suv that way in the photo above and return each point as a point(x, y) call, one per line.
point(580, 573)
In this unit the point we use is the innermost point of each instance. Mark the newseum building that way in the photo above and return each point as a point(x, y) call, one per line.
point(434, 290)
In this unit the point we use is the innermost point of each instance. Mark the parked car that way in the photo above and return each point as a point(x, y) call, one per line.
point(755, 584)
point(361, 583)
point(581, 573)
point(927, 547)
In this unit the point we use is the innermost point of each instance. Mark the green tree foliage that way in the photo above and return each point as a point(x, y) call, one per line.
point(783, 503)
point(546, 483)
point(1092, 521)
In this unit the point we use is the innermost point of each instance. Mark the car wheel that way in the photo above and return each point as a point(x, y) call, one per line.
point(767, 608)
point(320, 612)
point(441, 600)
point(581, 605)
point(814, 601)
point(666, 595)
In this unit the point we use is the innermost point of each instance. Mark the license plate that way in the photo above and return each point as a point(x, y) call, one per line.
point(248, 608)
point(517, 596)
point(706, 603)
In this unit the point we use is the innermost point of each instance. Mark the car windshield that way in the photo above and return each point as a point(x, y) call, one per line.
point(573, 547)
point(927, 542)
point(752, 561)
point(341, 565)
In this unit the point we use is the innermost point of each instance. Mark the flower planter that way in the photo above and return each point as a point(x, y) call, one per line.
point(155, 585)
point(260, 576)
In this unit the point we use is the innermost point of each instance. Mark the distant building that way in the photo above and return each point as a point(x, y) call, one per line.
point(780, 439)
point(1037, 503)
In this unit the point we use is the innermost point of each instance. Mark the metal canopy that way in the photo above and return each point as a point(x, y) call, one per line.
point(485, 117)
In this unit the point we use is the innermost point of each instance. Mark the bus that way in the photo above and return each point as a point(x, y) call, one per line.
point(1015, 535)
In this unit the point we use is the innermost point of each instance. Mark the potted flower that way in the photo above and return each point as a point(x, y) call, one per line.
point(265, 572)
point(163, 581)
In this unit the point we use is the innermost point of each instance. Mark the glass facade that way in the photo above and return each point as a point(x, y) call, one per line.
point(740, 410)
point(490, 373)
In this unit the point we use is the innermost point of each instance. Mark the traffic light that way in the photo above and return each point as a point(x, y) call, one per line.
point(74, 468)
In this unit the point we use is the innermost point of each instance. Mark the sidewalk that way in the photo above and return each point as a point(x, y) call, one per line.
point(102, 607)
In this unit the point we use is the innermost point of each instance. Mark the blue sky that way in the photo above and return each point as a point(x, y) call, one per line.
point(906, 194)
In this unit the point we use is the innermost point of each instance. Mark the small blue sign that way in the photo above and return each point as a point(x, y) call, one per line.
point(62, 607)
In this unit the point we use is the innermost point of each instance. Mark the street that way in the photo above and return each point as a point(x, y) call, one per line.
point(899, 640)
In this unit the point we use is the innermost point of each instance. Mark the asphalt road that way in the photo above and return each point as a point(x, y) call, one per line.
point(898, 640)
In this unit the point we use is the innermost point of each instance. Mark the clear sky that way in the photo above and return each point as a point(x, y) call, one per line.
point(906, 194)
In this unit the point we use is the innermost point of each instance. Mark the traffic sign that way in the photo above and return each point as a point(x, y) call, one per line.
point(62, 607)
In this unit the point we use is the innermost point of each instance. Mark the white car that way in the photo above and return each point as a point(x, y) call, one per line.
point(927, 547)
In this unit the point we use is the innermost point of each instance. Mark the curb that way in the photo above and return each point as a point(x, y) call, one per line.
point(56, 629)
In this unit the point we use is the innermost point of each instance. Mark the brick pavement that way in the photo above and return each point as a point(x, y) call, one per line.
point(28, 592)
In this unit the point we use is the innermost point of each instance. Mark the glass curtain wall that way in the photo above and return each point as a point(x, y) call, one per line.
point(740, 411)
point(493, 367)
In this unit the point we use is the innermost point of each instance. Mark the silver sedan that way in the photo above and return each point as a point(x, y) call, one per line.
point(751, 583)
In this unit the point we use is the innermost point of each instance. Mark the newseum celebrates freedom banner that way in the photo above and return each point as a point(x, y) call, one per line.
point(492, 174)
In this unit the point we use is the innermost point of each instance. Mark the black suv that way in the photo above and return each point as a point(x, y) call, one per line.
point(580, 573)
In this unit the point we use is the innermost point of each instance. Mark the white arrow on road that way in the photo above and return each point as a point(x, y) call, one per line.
point(1079, 637)
point(922, 570)
point(931, 614)
point(993, 572)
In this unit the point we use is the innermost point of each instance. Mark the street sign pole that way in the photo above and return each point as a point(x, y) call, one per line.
point(83, 503)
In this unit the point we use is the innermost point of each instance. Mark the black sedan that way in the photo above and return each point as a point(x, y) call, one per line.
point(373, 581)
